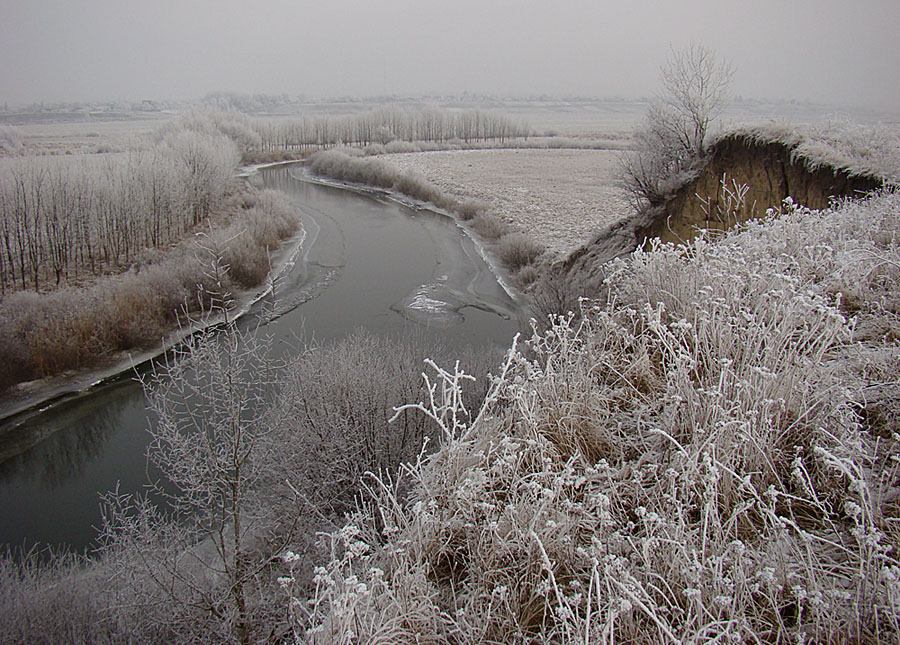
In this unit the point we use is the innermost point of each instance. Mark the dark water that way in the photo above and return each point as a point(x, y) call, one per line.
point(366, 263)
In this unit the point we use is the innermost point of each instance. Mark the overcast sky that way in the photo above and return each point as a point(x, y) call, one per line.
point(828, 51)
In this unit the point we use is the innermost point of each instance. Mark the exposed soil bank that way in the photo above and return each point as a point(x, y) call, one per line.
point(770, 173)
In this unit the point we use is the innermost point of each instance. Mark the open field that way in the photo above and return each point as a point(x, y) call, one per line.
point(558, 197)
point(87, 136)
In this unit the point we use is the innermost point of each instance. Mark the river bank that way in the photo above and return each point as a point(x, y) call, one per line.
point(37, 394)
point(501, 275)
point(560, 198)
point(344, 280)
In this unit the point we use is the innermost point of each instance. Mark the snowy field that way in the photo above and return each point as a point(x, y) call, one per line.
point(558, 197)
point(562, 197)
point(88, 136)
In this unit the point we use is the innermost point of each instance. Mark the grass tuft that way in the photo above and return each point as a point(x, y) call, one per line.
point(517, 250)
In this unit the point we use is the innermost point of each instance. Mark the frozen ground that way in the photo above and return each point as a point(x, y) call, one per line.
point(558, 197)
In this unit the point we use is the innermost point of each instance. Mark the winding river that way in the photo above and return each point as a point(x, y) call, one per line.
point(367, 261)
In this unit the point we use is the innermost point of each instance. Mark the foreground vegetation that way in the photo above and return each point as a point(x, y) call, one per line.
point(260, 455)
point(709, 454)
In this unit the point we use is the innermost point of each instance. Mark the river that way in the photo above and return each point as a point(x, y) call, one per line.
point(367, 262)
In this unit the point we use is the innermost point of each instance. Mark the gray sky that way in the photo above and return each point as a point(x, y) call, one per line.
point(828, 51)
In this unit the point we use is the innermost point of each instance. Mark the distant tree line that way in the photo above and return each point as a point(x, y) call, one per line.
point(385, 125)
point(62, 218)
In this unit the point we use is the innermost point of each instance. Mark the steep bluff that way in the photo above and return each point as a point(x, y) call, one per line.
point(770, 173)
point(767, 171)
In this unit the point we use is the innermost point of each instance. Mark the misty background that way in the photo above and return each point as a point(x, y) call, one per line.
point(823, 51)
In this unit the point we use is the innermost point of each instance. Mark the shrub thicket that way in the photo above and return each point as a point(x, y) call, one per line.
point(489, 227)
point(10, 142)
point(70, 217)
point(517, 250)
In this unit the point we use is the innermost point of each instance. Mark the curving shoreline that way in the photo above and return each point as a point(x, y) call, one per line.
point(560, 197)
point(418, 204)
point(23, 400)
point(32, 397)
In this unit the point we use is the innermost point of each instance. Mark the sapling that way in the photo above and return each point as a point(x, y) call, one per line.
point(225, 514)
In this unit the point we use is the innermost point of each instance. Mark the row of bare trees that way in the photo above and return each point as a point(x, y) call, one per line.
point(386, 125)
point(65, 216)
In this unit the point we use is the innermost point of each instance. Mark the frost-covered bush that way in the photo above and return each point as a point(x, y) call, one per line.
point(690, 460)
point(10, 142)
point(342, 396)
point(50, 599)
point(349, 164)
point(517, 250)
point(259, 452)
point(343, 166)
point(213, 123)
point(489, 227)
point(471, 207)
point(250, 239)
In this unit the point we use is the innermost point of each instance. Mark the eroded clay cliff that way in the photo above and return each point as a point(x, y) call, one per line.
point(765, 172)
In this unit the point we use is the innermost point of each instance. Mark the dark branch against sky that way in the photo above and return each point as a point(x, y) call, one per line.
point(820, 50)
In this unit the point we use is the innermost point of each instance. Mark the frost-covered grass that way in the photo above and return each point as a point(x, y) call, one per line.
point(302, 447)
point(869, 150)
point(708, 455)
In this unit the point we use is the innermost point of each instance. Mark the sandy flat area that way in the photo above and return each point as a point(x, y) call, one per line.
point(558, 197)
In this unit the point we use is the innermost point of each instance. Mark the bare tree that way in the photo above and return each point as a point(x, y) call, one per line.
point(228, 515)
point(674, 133)
point(695, 88)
